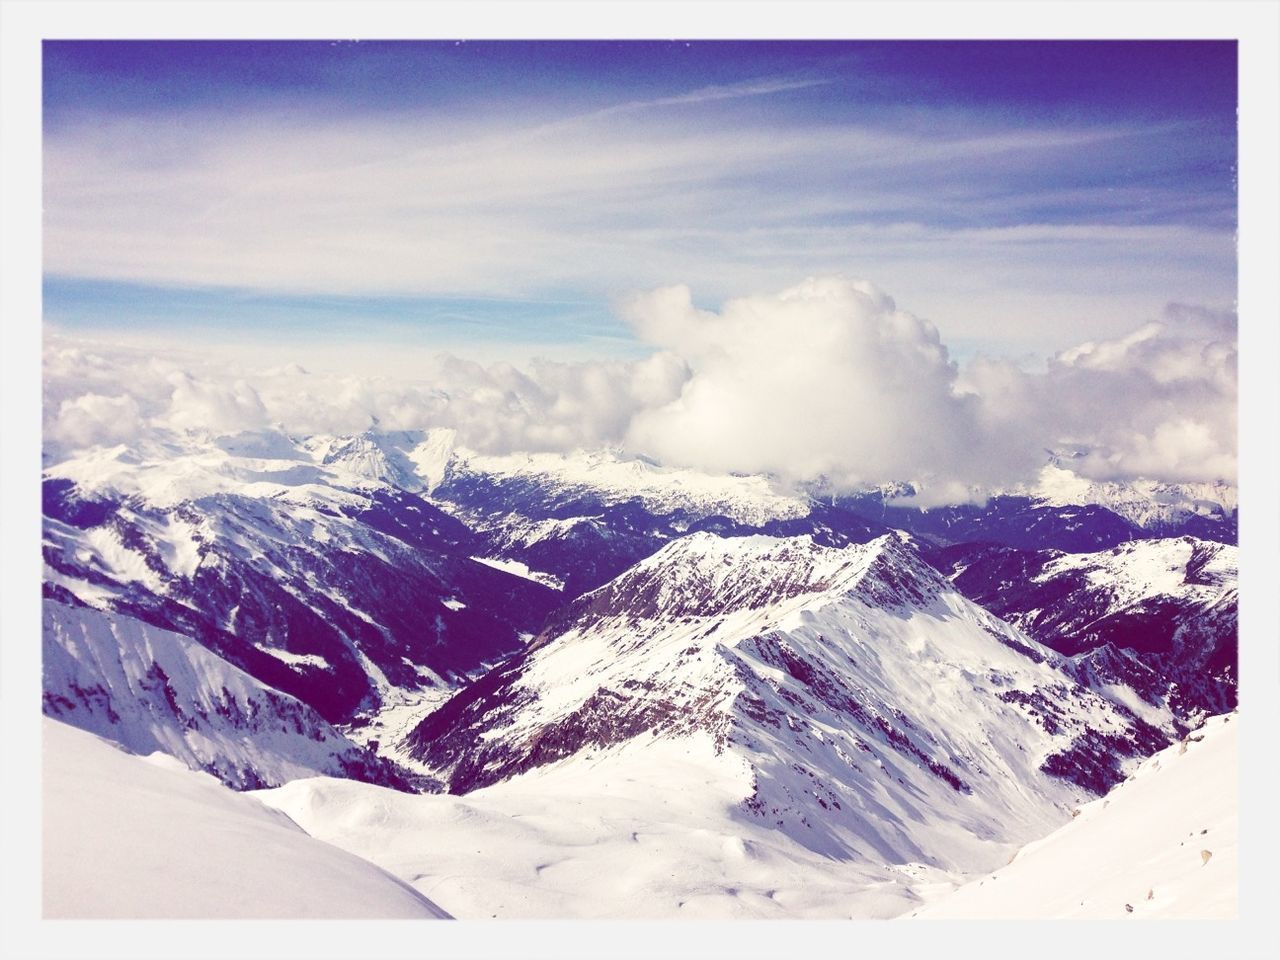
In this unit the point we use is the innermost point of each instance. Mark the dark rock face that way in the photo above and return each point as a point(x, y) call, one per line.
point(1012, 521)
point(63, 501)
point(449, 737)
point(1093, 760)
point(1108, 666)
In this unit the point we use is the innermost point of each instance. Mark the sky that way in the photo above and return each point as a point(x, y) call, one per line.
point(862, 261)
point(507, 194)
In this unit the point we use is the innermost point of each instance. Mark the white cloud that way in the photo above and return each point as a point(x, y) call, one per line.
point(495, 408)
point(92, 419)
point(218, 408)
point(828, 378)
point(1160, 402)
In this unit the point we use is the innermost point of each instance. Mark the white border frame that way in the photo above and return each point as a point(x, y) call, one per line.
point(23, 23)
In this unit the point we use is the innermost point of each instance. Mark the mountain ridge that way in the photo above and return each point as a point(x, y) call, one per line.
point(802, 680)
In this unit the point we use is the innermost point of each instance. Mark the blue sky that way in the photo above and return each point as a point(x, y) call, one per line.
point(1022, 196)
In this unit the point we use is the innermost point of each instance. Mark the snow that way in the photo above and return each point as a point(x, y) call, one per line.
point(142, 838)
point(654, 826)
point(432, 456)
point(518, 532)
point(615, 478)
point(1144, 569)
point(110, 556)
point(658, 825)
point(153, 690)
point(648, 831)
point(170, 469)
point(940, 666)
point(180, 547)
point(90, 594)
point(397, 716)
point(1158, 716)
point(1142, 846)
point(1143, 502)
point(520, 569)
point(296, 659)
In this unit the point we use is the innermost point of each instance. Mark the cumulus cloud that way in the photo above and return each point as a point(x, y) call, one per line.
point(218, 408)
point(92, 419)
point(828, 381)
point(1160, 402)
point(496, 408)
point(553, 406)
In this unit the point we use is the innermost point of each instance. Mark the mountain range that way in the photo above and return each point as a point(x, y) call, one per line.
point(903, 690)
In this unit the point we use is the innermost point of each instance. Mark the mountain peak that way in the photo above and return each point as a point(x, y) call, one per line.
point(704, 575)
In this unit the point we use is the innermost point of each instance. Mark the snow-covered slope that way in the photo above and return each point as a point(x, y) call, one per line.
point(127, 837)
point(586, 516)
point(1183, 568)
point(1166, 606)
point(1162, 844)
point(334, 587)
point(878, 714)
point(649, 829)
point(152, 690)
point(615, 478)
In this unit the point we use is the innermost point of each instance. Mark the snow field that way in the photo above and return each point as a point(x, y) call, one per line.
point(145, 838)
point(1162, 844)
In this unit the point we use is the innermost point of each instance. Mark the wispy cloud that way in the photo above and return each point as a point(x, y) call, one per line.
point(995, 224)
point(760, 87)
point(595, 206)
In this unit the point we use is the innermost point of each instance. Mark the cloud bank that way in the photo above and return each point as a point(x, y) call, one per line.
point(826, 380)
point(1160, 402)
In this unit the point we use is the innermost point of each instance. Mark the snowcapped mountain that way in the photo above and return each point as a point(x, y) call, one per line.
point(1162, 509)
point(1012, 520)
point(151, 690)
point(843, 722)
point(1156, 615)
point(580, 519)
point(584, 518)
point(876, 712)
point(130, 837)
point(318, 581)
point(612, 478)
point(430, 461)
point(1061, 511)
point(1164, 844)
